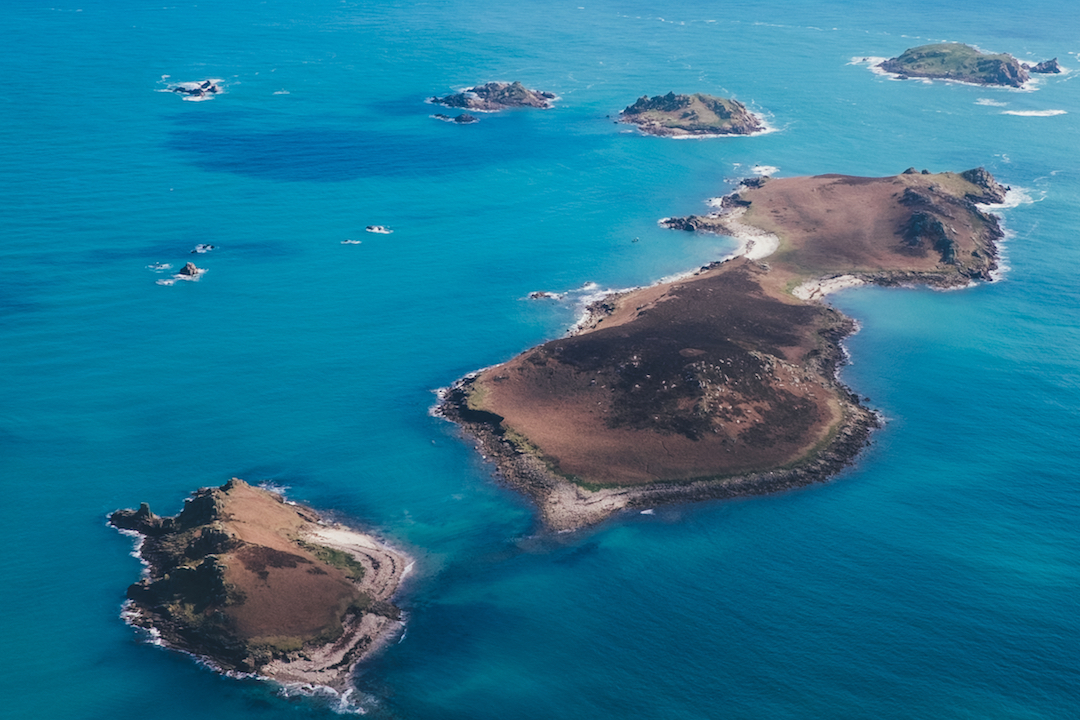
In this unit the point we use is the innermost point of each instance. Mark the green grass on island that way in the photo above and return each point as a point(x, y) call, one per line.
point(956, 61)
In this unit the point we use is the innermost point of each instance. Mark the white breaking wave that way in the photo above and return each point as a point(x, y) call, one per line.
point(1034, 113)
point(991, 103)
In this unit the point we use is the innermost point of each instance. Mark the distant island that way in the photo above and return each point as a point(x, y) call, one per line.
point(681, 115)
point(723, 383)
point(254, 584)
point(495, 96)
point(956, 61)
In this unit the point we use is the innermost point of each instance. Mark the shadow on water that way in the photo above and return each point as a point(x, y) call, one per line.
point(326, 150)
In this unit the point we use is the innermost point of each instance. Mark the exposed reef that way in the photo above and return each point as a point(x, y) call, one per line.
point(674, 115)
point(462, 119)
point(494, 96)
point(197, 90)
point(254, 584)
point(956, 61)
point(724, 383)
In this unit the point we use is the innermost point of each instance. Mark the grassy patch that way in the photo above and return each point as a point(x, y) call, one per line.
point(337, 558)
point(476, 396)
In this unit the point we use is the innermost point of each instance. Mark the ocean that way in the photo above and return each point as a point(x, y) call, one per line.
point(938, 577)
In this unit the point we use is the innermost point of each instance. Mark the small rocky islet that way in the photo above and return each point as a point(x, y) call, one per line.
point(964, 63)
point(254, 584)
point(496, 96)
point(674, 115)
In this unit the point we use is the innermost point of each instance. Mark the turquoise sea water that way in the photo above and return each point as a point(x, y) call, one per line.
point(938, 578)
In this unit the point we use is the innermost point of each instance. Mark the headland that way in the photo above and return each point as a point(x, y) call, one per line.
point(254, 584)
point(674, 115)
point(724, 382)
point(963, 63)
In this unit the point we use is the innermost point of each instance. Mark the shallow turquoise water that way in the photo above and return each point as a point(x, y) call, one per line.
point(935, 579)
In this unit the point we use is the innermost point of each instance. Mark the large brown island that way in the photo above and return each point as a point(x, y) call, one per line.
point(724, 383)
point(254, 584)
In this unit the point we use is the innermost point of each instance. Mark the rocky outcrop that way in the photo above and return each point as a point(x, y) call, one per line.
point(197, 89)
point(923, 230)
point(189, 270)
point(1046, 66)
point(697, 114)
point(462, 119)
point(992, 191)
point(494, 96)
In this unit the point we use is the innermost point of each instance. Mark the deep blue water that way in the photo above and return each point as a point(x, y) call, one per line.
point(938, 578)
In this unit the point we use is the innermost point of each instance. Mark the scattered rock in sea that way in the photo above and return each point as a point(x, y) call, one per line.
point(202, 248)
point(544, 295)
point(462, 119)
point(190, 270)
point(197, 89)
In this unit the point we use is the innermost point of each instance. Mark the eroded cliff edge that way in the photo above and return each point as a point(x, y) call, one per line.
point(724, 383)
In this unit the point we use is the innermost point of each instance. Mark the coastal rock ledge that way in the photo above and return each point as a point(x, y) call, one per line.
point(253, 584)
point(724, 382)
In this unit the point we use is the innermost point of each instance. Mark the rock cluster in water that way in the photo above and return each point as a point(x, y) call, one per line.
point(494, 96)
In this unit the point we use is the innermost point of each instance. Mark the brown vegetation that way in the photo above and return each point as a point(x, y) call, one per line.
point(724, 382)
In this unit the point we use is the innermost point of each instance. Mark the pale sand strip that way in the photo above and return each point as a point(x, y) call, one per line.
point(383, 566)
point(331, 664)
point(817, 289)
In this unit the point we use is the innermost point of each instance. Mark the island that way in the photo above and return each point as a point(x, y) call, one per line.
point(251, 583)
point(963, 63)
point(724, 382)
point(495, 96)
point(674, 115)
